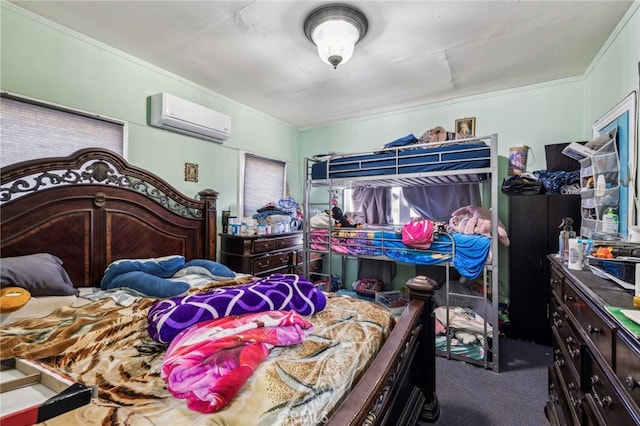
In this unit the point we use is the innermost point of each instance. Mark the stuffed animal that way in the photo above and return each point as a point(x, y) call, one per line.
point(342, 220)
point(476, 220)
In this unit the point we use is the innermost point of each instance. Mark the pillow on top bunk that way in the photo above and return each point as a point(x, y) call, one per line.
point(41, 274)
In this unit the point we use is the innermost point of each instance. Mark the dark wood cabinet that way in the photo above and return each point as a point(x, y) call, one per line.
point(595, 376)
point(534, 222)
point(262, 255)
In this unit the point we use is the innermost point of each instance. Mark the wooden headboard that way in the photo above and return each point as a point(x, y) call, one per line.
point(93, 207)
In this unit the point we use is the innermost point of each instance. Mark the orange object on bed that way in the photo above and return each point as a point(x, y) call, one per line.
point(13, 298)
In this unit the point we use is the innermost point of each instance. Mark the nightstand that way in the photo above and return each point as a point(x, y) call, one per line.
point(262, 255)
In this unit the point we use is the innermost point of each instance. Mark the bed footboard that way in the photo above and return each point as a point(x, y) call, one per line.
point(399, 386)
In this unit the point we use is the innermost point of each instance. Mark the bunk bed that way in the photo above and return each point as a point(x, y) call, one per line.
point(93, 212)
point(466, 161)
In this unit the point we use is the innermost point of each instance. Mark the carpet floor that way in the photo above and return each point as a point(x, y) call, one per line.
point(472, 395)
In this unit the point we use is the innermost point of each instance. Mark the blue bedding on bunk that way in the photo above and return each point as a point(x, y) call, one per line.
point(403, 161)
point(471, 251)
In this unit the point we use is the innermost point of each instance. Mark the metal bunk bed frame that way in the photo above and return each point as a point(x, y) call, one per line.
point(483, 175)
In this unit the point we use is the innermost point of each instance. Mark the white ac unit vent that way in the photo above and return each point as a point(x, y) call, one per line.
point(179, 115)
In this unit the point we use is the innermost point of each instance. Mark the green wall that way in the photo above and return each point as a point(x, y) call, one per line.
point(46, 61)
point(615, 71)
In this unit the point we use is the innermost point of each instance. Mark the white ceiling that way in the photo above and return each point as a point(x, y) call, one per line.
point(415, 52)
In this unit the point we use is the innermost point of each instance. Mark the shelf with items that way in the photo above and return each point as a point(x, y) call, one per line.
point(599, 187)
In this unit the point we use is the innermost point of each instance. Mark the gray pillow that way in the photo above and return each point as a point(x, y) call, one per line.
point(41, 274)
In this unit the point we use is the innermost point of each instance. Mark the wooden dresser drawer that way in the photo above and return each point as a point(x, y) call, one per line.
point(314, 267)
point(598, 331)
point(627, 370)
point(557, 405)
point(556, 282)
point(611, 405)
point(289, 241)
point(567, 340)
point(260, 255)
point(264, 245)
point(271, 262)
point(570, 388)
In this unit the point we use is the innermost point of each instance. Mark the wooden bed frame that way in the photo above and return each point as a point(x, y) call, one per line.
point(93, 207)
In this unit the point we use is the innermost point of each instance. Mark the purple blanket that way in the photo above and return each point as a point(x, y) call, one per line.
point(276, 292)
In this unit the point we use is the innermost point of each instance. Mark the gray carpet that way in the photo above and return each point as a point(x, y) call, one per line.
point(472, 395)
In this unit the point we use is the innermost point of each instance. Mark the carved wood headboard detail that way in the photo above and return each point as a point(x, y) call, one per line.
point(93, 207)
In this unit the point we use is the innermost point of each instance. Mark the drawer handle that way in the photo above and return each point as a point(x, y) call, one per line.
point(264, 264)
point(591, 329)
point(559, 358)
point(553, 395)
point(631, 382)
point(603, 401)
point(575, 401)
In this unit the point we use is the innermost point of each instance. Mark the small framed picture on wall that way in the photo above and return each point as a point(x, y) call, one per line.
point(466, 127)
point(190, 172)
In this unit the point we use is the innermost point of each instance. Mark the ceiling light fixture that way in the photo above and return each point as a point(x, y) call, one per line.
point(335, 29)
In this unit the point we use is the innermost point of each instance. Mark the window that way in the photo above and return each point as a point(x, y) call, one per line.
point(264, 182)
point(400, 210)
point(34, 129)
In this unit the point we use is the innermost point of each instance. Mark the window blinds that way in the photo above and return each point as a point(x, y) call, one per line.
point(263, 183)
point(30, 130)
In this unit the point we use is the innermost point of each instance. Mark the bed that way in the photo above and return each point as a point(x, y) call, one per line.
point(467, 253)
point(94, 212)
point(405, 160)
point(473, 254)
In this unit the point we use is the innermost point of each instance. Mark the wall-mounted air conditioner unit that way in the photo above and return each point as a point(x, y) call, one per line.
point(179, 115)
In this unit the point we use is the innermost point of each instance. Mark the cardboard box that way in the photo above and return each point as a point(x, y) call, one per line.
point(33, 393)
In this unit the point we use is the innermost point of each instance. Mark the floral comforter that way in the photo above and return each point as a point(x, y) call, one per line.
point(108, 345)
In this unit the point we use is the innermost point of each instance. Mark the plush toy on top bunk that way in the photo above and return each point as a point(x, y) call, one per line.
point(476, 220)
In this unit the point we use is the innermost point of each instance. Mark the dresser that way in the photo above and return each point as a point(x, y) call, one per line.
point(262, 255)
point(595, 376)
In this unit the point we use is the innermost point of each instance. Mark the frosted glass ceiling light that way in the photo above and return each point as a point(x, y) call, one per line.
point(335, 29)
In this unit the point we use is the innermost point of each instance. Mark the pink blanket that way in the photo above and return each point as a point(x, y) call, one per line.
point(208, 363)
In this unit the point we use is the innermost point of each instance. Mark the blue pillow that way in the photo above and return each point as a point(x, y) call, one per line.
point(163, 267)
point(147, 285)
point(214, 270)
point(407, 140)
